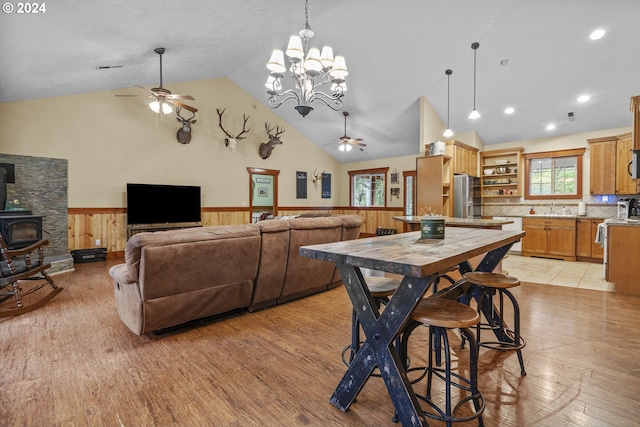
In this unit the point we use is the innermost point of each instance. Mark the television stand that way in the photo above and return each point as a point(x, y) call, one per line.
point(139, 228)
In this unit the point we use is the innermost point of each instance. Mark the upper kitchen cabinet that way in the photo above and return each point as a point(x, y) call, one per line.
point(465, 157)
point(610, 157)
point(624, 183)
point(602, 179)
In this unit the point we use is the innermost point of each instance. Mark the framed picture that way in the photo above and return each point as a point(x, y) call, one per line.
point(394, 178)
point(262, 191)
point(263, 181)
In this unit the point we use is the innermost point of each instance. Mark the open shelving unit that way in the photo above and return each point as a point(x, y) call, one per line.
point(507, 184)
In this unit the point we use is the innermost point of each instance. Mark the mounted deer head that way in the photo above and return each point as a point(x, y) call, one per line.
point(231, 140)
point(317, 177)
point(266, 148)
point(184, 133)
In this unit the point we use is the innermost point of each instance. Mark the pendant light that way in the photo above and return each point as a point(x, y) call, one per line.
point(448, 132)
point(474, 114)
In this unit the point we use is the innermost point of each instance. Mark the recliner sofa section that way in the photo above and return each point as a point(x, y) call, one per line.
point(173, 277)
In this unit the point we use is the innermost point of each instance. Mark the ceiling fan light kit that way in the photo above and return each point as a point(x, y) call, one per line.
point(346, 142)
point(310, 69)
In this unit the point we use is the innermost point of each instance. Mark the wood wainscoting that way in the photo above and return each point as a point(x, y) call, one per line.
point(109, 225)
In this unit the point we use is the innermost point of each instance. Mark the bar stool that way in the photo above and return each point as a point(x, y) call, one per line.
point(441, 315)
point(381, 288)
point(486, 285)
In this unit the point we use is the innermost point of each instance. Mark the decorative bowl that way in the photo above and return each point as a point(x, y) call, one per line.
point(488, 171)
point(502, 169)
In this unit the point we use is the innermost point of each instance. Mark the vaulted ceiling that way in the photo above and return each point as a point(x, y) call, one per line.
point(396, 52)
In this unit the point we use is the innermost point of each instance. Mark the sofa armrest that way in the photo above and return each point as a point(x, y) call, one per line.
point(120, 274)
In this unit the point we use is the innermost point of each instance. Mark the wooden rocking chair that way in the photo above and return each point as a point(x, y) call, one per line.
point(16, 268)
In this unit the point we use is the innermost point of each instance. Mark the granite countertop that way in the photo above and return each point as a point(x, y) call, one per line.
point(633, 222)
point(448, 220)
point(559, 216)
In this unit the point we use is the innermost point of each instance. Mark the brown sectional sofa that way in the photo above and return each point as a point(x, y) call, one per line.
point(173, 277)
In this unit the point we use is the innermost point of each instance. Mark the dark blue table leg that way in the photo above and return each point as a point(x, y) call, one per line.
point(380, 331)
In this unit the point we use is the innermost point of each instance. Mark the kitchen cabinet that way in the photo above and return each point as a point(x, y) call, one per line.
point(586, 248)
point(507, 184)
point(602, 165)
point(433, 184)
point(464, 157)
point(624, 183)
point(549, 237)
point(623, 253)
point(609, 165)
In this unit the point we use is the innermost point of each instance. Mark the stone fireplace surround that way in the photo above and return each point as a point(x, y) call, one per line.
point(41, 187)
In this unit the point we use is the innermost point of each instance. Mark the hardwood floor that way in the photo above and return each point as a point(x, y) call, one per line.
point(74, 363)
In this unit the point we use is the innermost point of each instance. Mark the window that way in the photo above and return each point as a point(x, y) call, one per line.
point(368, 187)
point(554, 175)
point(409, 192)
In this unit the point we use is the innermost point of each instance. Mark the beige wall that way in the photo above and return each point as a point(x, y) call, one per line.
point(111, 140)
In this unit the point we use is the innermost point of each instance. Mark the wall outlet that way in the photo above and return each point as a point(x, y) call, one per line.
point(97, 242)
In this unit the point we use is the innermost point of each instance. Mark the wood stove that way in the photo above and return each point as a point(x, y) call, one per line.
point(19, 228)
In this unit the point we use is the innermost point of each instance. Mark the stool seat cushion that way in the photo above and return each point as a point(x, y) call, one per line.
point(493, 280)
point(381, 286)
point(445, 313)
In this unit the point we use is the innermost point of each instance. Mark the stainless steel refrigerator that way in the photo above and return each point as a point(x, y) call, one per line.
point(467, 200)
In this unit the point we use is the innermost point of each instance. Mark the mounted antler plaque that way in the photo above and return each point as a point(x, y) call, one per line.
point(231, 140)
point(266, 148)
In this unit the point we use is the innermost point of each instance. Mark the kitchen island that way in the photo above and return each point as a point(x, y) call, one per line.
point(412, 222)
point(623, 253)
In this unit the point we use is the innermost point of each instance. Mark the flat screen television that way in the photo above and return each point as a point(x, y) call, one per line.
point(161, 204)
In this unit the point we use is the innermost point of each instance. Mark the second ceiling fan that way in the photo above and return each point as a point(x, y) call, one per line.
point(345, 142)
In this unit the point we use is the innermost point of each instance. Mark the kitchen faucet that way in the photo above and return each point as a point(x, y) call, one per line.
point(551, 208)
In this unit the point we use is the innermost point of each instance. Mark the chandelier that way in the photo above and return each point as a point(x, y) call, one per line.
point(310, 69)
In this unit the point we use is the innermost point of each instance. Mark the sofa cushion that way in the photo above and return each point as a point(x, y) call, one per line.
point(134, 245)
point(274, 253)
point(304, 275)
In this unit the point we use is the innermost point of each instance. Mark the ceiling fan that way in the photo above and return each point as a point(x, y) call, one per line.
point(164, 97)
point(345, 142)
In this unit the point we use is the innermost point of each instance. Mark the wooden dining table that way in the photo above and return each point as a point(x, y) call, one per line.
point(419, 261)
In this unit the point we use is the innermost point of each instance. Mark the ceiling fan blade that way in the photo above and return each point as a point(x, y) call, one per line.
point(183, 105)
point(357, 142)
point(175, 96)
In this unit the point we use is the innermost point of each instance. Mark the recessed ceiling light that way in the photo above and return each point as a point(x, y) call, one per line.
point(583, 98)
point(597, 34)
point(509, 110)
point(551, 126)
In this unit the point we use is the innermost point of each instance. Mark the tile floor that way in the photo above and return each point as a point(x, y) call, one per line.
point(583, 275)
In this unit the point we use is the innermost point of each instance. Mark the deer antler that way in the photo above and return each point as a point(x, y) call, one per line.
point(239, 136)
point(245, 118)
point(178, 109)
point(270, 128)
point(317, 176)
